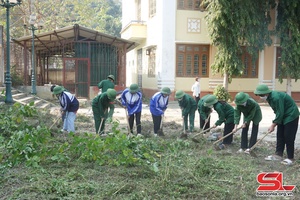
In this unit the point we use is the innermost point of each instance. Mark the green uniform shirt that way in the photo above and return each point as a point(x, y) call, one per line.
point(283, 106)
point(102, 102)
point(203, 110)
point(105, 85)
point(225, 112)
point(187, 104)
point(251, 112)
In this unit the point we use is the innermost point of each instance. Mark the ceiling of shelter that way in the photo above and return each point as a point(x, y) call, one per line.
point(51, 41)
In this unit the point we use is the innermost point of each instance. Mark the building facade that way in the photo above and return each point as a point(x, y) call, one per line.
point(175, 47)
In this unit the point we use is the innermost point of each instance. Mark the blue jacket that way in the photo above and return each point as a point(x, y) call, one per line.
point(158, 104)
point(68, 102)
point(133, 102)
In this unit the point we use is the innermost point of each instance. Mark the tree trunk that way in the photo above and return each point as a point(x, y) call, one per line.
point(289, 85)
point(225, 81)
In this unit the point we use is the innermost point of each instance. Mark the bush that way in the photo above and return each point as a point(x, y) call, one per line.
point(221, 93)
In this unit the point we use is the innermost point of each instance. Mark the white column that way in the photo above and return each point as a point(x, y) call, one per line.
point(166, 65)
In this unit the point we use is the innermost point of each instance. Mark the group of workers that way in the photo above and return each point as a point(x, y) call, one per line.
point(284, 107)
point(286, 118)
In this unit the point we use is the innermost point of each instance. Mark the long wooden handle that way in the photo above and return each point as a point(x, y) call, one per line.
point(161, 121)
point(128, 126)
point(56, 120)
point(259, 141)
point(204, 131)
point(227, 135)
point(102, 119)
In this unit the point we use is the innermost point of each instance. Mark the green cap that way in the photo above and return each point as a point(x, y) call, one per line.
point(111, 77)
point(210, 100)
point(166, 91)
point(241, 98)
point(111, 93)
point(179, 94)
point(58, 90)
point(133, 88)
point(262, 89)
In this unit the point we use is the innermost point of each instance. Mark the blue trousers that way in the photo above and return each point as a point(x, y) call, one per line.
point(69, 122)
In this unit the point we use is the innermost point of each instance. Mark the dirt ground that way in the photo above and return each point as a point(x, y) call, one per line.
point(172, 122)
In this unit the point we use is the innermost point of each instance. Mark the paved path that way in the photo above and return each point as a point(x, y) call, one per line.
point(173, 113)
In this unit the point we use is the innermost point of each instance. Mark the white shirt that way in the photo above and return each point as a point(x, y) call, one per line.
point(196, 89)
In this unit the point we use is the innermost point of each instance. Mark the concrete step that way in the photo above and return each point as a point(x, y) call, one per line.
point(44, 105)
point(19, 96)
point(14, 92)
point(38, 102)
point(26, 100)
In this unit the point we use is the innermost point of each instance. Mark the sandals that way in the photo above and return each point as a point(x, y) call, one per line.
point(287, 162)
point(273, 158)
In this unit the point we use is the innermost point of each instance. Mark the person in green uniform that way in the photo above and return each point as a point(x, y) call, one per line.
point(286, 119)
point(226, 115)
point(188, 107)
point(104, 85)
point(204, 113)
point(100, 106)
point(251, 111)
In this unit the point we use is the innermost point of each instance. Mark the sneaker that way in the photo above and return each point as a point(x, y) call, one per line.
point(240, 151)
point(247, 151)
point(273, 158)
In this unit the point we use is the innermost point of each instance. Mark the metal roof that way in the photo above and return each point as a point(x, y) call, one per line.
point(48, 41)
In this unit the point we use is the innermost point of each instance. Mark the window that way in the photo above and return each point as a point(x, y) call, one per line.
point(152, 8)
point(151, 61)
point(251, 67)
point(188, 4)
point(192, 60)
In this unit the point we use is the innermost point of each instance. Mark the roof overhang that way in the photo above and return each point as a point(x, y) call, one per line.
point(48, 41)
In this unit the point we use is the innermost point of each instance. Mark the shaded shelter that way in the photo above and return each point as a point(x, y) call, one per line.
point(75, 57)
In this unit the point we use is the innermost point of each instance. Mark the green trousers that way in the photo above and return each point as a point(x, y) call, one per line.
point(191, 117)
point(98, 119)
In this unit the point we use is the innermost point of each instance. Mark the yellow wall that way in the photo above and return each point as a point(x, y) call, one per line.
point(181, 27)
point(268, 63)
point(282, 86)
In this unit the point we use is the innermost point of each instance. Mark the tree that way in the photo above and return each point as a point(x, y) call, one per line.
point(101, 15)
point(233, 24)
point(287, 29)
